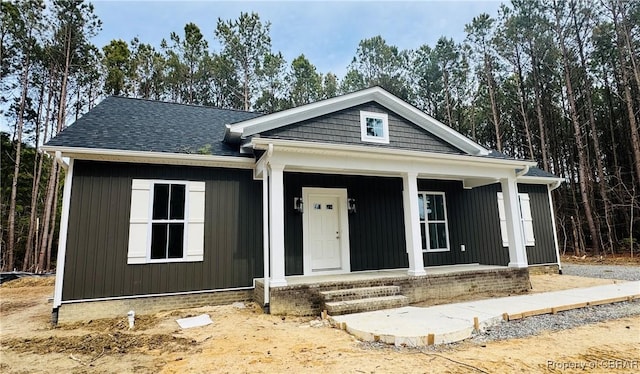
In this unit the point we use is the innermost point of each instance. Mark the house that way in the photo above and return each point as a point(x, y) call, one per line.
point(169, 205)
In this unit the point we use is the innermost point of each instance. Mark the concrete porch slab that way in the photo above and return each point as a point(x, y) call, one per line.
point(415, 327)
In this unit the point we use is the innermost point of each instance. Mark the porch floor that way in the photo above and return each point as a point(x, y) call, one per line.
point(379, 274)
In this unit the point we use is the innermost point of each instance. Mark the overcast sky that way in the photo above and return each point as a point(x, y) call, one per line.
point(326, 32)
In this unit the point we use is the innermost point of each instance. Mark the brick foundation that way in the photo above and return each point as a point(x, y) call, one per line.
point(89, 310)
point(544, 269)
point(305, 300)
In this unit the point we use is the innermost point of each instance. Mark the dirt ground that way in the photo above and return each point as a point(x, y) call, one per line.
point(245, 340)
point(607, 259)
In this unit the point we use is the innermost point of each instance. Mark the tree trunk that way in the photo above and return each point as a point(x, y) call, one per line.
point(24, 81)
point(602, 185)
point(523, 108)
point(494, 106)
point(541, 124)
point(35, 188)
point(447, 95)
point(575, 119)
point(628, 98)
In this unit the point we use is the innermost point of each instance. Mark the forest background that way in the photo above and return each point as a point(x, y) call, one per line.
point(556, 81)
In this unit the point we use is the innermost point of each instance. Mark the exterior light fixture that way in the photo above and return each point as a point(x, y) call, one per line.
point(351, 205)
point(298, 205)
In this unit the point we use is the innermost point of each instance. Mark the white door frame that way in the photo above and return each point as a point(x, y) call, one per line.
point(341, 193)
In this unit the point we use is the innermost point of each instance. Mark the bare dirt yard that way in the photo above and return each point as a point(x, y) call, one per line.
point(246, 340)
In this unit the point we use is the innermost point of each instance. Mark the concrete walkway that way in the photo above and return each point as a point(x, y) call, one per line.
point(415, 326)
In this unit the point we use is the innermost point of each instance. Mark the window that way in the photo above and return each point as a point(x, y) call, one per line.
point(166, 222)
point(526, 220)
point(374, 127)
point(433, 221)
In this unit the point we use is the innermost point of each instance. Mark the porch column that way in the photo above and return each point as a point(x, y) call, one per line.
point(276, 224)
point(412, 223)
point(517, 249)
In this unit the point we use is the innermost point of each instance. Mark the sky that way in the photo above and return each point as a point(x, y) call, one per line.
point(326, 32)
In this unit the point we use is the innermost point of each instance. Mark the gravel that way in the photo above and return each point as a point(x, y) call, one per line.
point(630, 273)
point(549, 322)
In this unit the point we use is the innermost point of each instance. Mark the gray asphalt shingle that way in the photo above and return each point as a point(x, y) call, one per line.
point(144, 125)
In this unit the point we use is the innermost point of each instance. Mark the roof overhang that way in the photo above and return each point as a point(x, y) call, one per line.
point(117, 155)
point(552, 182)
point(241, 130)
point(367, 160)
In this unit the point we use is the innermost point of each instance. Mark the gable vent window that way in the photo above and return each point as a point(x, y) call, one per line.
point(166, 222)
point(374, 127)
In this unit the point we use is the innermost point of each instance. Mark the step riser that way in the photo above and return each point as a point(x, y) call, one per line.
point(365, 305)
point(359, 293)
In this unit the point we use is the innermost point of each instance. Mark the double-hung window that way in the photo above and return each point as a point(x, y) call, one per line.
point(166, 223)
point(433, 221)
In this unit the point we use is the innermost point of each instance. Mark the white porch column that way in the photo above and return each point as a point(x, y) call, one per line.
point(412, 223)
point(517, 249)
point(276, 224)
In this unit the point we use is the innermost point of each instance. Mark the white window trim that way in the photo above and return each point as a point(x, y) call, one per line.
point(426, 222)
point(140, 225)
point(526, 221)
point(363, 127)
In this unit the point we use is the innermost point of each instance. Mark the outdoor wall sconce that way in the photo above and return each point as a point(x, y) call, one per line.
point(298, 205)
point(351, 205)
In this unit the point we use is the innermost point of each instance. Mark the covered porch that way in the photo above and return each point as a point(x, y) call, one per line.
point(284, 157)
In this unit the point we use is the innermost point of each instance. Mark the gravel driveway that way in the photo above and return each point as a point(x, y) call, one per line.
point(630, 273)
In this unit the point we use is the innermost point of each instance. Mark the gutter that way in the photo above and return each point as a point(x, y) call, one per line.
point(523, 171)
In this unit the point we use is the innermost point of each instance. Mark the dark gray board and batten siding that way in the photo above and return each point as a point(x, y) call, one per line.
point(343, 127)
point(376, 230)
point(96, 257)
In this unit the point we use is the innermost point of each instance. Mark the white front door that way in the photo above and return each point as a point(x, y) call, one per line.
point(326, 231)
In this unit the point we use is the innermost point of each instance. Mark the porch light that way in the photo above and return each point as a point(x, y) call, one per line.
point(351, 205)
point(298, 205)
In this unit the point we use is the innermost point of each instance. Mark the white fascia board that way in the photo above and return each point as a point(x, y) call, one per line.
point(166, 158)
point(377, 94)
point(554, 182)
point(387, 153)
point(301, 113)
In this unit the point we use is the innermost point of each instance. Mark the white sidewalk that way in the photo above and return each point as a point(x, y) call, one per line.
point(414, 326)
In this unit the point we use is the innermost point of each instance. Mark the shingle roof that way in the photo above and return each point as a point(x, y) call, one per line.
point(532, 172)
point(145, 125)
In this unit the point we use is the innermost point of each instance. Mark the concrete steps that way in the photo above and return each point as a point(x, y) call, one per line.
point(365, 299)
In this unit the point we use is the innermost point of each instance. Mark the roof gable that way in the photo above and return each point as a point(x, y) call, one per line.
point(254, 126)
point(344, 127)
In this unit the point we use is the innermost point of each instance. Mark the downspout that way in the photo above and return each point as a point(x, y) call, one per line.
point(60, 161)
point(265, 228)
point(62, 241)
point(550, 188)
